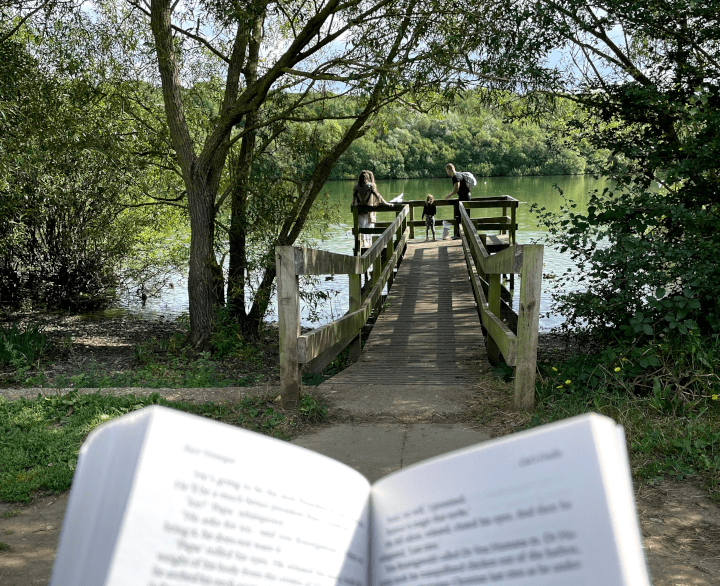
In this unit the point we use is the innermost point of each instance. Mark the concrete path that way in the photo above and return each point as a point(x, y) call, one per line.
point(376, 449)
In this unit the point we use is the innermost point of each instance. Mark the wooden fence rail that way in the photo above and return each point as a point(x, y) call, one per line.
point(519, 349)
point(317, 348)
point(504, 223)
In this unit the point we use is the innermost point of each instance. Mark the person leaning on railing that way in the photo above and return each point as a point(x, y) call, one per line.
point(460, 187)
point(365, 193)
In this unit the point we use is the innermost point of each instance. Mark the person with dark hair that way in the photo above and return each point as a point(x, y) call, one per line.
point(365, 193)
point(460, 187)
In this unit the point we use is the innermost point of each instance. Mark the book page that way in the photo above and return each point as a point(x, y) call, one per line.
point(527, 509)
point(217, 505)
point(100, 490)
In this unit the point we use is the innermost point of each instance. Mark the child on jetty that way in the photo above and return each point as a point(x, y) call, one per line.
point(429, 211)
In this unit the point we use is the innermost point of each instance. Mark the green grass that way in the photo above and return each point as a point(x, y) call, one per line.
point(668, 405)
point(40, 438)
point(174, 372)
point(160, 364)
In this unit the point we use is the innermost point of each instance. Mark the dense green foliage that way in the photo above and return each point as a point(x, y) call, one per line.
point(40, 438)
point(20, 348)
point(666, 395)
point(646, 251)
point(474, 138)
point(69, 174)
point(644, 289)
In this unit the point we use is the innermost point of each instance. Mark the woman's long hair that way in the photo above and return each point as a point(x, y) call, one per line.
point(366, 177)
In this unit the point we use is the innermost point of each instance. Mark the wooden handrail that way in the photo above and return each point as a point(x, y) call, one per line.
point(321, 345)
point(318, 347)
point(519, 349)
point(503, 223)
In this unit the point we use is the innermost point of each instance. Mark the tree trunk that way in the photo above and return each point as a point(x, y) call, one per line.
point(238, 269)
point(202, 293)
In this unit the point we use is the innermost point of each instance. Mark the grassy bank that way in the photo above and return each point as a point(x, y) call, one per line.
point(665, 395)
point(40, 438)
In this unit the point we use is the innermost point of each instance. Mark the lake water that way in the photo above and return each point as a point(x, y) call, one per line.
point(544, 191)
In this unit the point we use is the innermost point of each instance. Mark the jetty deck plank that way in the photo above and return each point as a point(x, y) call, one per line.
point(429, 332)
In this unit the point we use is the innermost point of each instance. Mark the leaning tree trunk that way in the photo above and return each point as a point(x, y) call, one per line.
point(238, 267)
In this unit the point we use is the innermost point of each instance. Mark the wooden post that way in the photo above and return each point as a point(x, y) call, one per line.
point(355, 303)
point(483, 239)
point(377, 269)
point(456, 217)
point(403, 227)
point(410, 217)
point(527, 329)
point(494, 306)
point(513, 218)
point(288, 295)
point(356, 231)
point(511, 238)
point(389, 251)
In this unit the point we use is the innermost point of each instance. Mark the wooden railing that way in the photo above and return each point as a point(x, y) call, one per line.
point(512, 335)
point(314, 350)
point(505, 223)
point(519, 347)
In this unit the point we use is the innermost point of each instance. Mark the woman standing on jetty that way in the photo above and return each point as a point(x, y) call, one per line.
point(365, 193)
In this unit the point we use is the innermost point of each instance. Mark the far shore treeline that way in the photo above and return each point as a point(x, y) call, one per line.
point(413, 145)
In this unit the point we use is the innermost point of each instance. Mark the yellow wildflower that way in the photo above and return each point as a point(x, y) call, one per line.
point(555, 369)
point(567, 382)
point(617, 369)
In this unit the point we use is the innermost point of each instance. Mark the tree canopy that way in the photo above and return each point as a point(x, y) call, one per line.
point(648, 76)
point(271, 64)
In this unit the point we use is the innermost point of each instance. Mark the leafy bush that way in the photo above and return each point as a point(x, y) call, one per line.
point(21, 348)
point(667, 396)
point(645, 265)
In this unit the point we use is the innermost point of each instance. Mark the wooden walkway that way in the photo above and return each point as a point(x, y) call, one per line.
point(429, 334)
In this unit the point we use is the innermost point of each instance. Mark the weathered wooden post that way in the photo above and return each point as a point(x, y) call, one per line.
point(527, 328)
point(377, 269)
point(288, 295)
point(494, 296)
point(355, 303)
point(513, 219)
point(390, 250)
point(411, 216)
point(456, 217)
point(356, 231)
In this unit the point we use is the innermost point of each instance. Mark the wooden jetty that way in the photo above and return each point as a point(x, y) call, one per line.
point(445, 314)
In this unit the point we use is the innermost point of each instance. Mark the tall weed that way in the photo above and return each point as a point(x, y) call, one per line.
point(21, 347)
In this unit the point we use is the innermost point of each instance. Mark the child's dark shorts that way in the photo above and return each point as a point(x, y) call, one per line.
point(430, 222)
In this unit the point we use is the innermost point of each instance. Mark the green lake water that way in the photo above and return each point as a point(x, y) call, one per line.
point(544, 191)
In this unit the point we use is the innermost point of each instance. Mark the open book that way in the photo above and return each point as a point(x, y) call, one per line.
point(163, 498)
